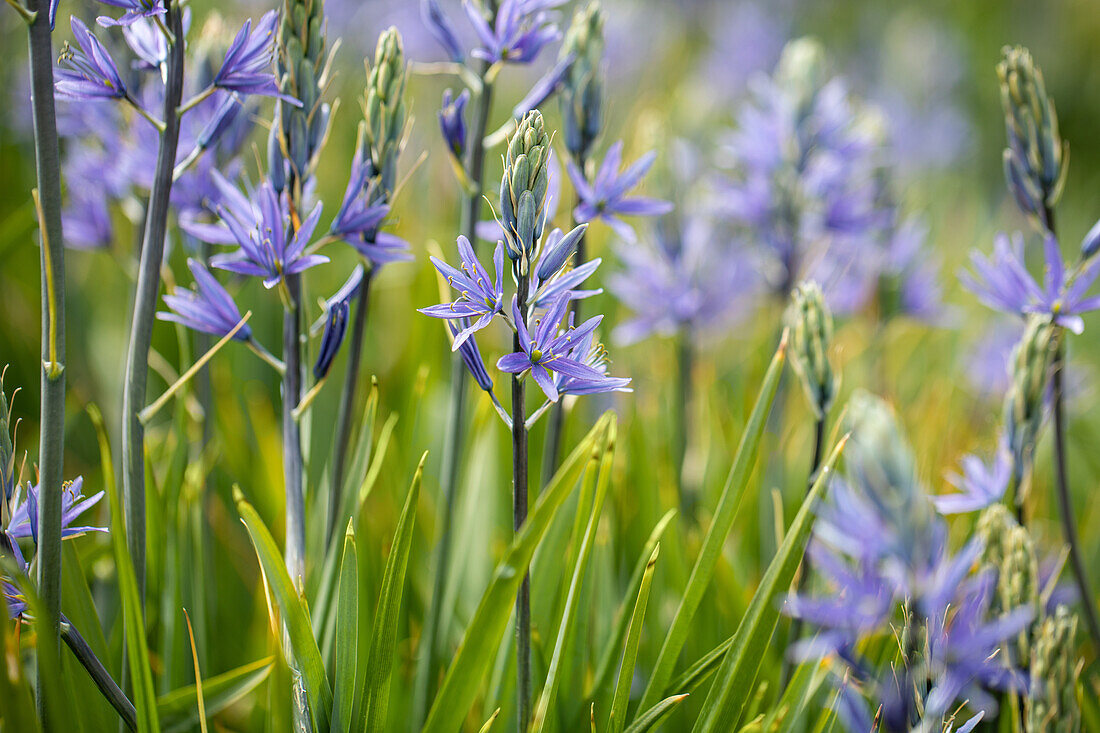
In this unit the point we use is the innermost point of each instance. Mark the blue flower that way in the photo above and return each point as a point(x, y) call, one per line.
point(552, 274)
point(88, 71)
point(980, 484)
point(439, 25)
point(545, 349)
point(481, 297)
point(135, 10)
point(337, 309)
point(24, 514)
point(591, 353)
point(362, 212)
point(261, 234)
point(209, 309)
point(606, 196)
point(452, 121)
point(247, 65)
point(520, 31)
point(546, 85)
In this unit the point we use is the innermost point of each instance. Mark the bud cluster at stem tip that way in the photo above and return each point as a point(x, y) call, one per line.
point(582, 88)
point(384, 105)
point(1023, 408)
point(301, 71)
point(523, 189)
point(1009, 552)
point(811, 327)
point(1052, 703)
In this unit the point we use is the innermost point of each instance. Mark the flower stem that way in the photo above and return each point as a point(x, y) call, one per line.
point(1069, 523)
point(51, 445)
point(685, 364)
point(141, 330)
point(347, 404)
point(99, 674)
point(519, 516)
point(292, 441)
point(470, 214)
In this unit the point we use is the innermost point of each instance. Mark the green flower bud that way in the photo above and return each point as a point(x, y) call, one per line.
point(803, 71)
point(384, 105)
point(811, 328)
point(1018, 582)
point(7, 450)
point(525, 171)
point(582, 88)
point(301, 67)
point(1035, 159)
point(1052, 705)
point(1023, 408)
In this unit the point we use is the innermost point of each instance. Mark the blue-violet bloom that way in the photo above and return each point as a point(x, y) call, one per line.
point(481, 297)
point(209, 308)
point(607, 197)
point(88, 71)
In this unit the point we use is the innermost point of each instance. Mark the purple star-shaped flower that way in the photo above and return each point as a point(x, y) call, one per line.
point(135, 11)
point(980, 485)
point(88, 71)
point(548, 349)
point(591, 353)
point(261, 233)
point(439, 25)
point(209, 308)
point(361, 213)
point(606, 197)
point(522, 28)
point(247, 65)
point(24, 515)
point(481, 297)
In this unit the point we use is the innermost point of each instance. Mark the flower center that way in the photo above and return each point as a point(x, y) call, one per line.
point(536, 355)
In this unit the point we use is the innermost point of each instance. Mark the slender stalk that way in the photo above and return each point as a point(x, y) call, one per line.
point(292, 440)
point(470, 214)
point(1065, 503)
point(141, 329)
point(519, 516)
point(804, 577)
point(685, 363)
point(99, 674)
point(347, 402)
point(51, 445)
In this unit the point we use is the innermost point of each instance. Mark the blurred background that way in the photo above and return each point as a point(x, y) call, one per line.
point(678, 75)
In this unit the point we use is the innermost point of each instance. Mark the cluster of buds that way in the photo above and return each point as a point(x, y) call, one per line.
point(1024, 402)
point(302, 72)
point(1009, 552)
point(1052, 703)
point(1036, 156)
point(523, 190)
point(384, 106)
point(582, 85)
point(7, 451)
point(802, 71)
point(811, 328)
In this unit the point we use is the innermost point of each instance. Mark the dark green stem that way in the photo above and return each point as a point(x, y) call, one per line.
point(145, 297)
point(342, 435)
point(292, 440)
point(51, 446)
point(685, 356)
point(519, 516)
point(99, 674)
point(470, 213)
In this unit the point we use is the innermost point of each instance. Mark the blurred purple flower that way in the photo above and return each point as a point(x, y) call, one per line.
point(439, 25)
point(606, 197)
point(980, 484)
point(363, 209)
point(521, 29)
point(452, 121)
point(209, 308)
point(481, 296)
point(247, 66)
point(88, 71)
point(135, 10)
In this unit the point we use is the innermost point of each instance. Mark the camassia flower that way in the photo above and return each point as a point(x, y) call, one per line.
point(24, 513)
point(546, 349)
point(359, 219)
point(247, 65)
point(88, 71)
point(980, 485)
point(337, 311)
point(591, 353)
point(481, 297)
point(260, 231)
point(521, 30)
point(209, 308)
point(606, 197)
point(452, 121)
point(135, 11)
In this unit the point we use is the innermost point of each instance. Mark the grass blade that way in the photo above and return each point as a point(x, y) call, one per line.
point(302, 644)
point(133, 619)
point(724, 514)
point(478, 648)
point(198, 674)
point(655, 714)
point(347, 634)
point(177, 709)
point(734, 682)
point(374, 693)
point(619, 702)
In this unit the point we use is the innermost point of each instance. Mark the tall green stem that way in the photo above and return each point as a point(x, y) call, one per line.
point(292, 440)
point(519, 516)
point(145, 297)
point(51, 445)
point(470, 213)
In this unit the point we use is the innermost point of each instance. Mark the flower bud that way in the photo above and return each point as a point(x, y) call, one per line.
point(1024, 402)
point(7, 450)
point(525, 172)
point(1018, 582)
point(582, 85)
point(811, 326)
point(558, 248)
point(802, 71)
point(452, 122)
point(1090, 245)
point(1035, 159)
point(384, 105)
point(1051, 705)
point(301, 65)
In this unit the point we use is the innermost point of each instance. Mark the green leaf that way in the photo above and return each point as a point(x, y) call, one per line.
point(791, 710)
point(307, 657)
point(734, 682)
point(724, 514)
point(347, 634)
point(479, 644)
point(617, 717)
point(132, 615)
point(655, 714)
point(374, 691)
point(15, 689)
point(177, 709)
point(603, 460)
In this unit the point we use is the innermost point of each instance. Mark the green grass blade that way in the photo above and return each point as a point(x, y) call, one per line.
point(734, 682)
point(724, 514)
point(145, 701)
point(601, 685)
point(655, 714)
point(791, 710)
point(307, 656)
point(703, 668)
point(479, 644)
point(17, 712)
point(177, 709)
point(374, 692)
point(603, 460)
point(617, 717)
point(489, 723)
point(347, 634)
